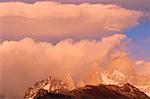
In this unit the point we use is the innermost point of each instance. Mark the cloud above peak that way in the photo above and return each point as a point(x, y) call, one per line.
point(56, 20)
point(25, 61)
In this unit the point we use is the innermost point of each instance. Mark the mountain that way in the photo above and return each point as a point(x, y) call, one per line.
point(142, 82)
point(102, 91)
point(49, 85)
point(53, 88)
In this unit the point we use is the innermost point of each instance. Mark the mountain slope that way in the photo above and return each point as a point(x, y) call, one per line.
point(53, 88)
point(102, 91)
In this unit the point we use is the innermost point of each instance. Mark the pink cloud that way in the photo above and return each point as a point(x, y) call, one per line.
point(26, 61)
point(54, 19)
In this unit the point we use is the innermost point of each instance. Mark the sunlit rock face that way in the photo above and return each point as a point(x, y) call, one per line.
point(121, 62)
point(81, 83)
point(95, 76)
point(145, 89)
point(50, 84)
point(60, 90)
point(120, 71)
point(142, 82)
point(118, 77)
point(70, 82)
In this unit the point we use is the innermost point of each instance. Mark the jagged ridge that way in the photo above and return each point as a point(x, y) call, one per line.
point(102, 91)
point(53, 88)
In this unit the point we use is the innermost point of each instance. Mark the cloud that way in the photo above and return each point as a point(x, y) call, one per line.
point(26, 61)
point(143, 67)
point(134, 4)
point(59, 21)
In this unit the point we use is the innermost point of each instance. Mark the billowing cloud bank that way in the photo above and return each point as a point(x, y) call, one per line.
point(26, 61)
point(56, 20)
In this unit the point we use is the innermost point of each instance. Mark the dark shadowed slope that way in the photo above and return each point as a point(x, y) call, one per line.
point(102, 91)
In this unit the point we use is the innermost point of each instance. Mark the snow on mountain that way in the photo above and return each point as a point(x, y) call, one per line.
point(145, 89)
point(50, 84)
point(101, 91)
point(115, 78)
point(118, 78)
point(106, 80)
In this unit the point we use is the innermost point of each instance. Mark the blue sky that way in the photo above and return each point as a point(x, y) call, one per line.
point(140, 37)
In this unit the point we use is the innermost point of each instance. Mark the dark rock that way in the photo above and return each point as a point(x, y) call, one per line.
point(102, 91)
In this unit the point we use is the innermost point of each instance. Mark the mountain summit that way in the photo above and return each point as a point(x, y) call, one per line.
point(53, 88)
